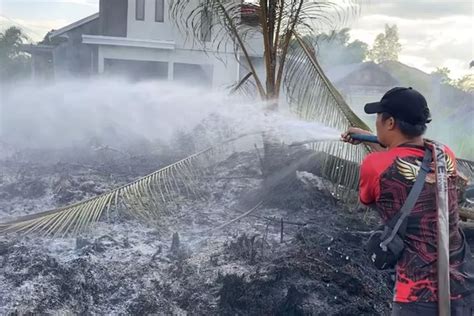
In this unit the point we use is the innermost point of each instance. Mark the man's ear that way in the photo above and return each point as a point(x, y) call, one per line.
point(391, 123)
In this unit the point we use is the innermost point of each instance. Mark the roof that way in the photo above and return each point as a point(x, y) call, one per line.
point(74, 25)
point(29, 48)
point(412, 77)
point(425, 83)
point(338, 73)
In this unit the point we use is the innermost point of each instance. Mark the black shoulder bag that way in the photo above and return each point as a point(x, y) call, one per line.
point(385, 245)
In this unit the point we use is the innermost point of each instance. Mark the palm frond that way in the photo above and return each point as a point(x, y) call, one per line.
point(216, 24)
point(148, 198)
point(466, 167)
point(312, 97)
point(242, 82)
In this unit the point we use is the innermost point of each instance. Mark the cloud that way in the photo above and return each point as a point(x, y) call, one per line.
point(427, 43)
point(94, 3)
point(34, 29)
point(419, 9)
point(37, 17)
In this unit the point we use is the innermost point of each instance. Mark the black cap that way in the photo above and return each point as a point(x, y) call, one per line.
point(405, 104)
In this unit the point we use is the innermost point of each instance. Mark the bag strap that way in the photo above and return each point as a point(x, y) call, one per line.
point(411, 198)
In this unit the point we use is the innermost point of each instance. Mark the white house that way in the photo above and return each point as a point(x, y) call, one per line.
point(137, 38)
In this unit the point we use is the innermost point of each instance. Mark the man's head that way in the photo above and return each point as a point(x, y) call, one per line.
point(402, 112)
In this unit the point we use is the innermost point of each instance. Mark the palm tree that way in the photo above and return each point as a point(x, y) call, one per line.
point(277, 22)
point(12, 60)
point(290, 63)
point(11, 40)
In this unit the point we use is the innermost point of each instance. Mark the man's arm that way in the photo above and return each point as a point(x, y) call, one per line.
point(346, 137)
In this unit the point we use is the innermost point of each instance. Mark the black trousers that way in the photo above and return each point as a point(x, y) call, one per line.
point(463, 307)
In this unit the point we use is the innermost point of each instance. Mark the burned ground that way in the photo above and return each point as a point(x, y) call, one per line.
point(300, 253)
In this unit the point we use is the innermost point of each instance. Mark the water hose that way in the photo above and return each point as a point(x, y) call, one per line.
point(360, 137)
point(365, 138)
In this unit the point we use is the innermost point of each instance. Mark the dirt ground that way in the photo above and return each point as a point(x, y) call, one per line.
point(300, 253)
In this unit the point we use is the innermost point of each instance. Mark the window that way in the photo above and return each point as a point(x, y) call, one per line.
point(140, 10)
point(159, 10)
point(206, 25)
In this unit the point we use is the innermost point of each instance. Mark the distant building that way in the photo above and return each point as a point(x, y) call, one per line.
point(62, 53)
point(361, 83)
point(135, 38)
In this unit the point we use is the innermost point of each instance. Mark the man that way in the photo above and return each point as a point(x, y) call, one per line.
point(386, 177)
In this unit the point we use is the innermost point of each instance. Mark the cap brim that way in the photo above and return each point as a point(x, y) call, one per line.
point(374, 107)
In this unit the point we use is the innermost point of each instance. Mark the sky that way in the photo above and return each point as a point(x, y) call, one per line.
point(433, 33)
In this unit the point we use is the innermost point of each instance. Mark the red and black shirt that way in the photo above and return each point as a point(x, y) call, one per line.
point(386, 178)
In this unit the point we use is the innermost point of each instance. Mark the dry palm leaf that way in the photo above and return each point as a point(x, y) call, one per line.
point(147, 198)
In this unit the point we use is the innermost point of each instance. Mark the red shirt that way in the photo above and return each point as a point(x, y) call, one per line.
point(386, 178)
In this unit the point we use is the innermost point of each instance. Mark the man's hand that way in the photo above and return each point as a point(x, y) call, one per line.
point(346, 136)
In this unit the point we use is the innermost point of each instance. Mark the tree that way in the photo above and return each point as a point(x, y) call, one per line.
point(13, 62)
point(278, 23)
point(289, 60)
point(465, 83)
point(443, 74)
point(335, 49)
point(386, 45)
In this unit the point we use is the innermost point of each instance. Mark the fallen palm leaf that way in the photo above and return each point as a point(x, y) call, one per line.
point(157, 187)
point(147, 198)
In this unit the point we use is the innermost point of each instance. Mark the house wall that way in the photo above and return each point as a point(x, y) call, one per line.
point(117, 30)
point(149, 28)
point(42, 64)
point(224, 67)
point(71, 57)
point(167, 30)
point(113, 17)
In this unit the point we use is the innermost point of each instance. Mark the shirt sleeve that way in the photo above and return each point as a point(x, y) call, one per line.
point(369, 182)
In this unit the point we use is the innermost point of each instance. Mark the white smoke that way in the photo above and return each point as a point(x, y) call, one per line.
point(113, 112)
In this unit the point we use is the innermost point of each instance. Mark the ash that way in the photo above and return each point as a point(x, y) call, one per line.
point(299, 253)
